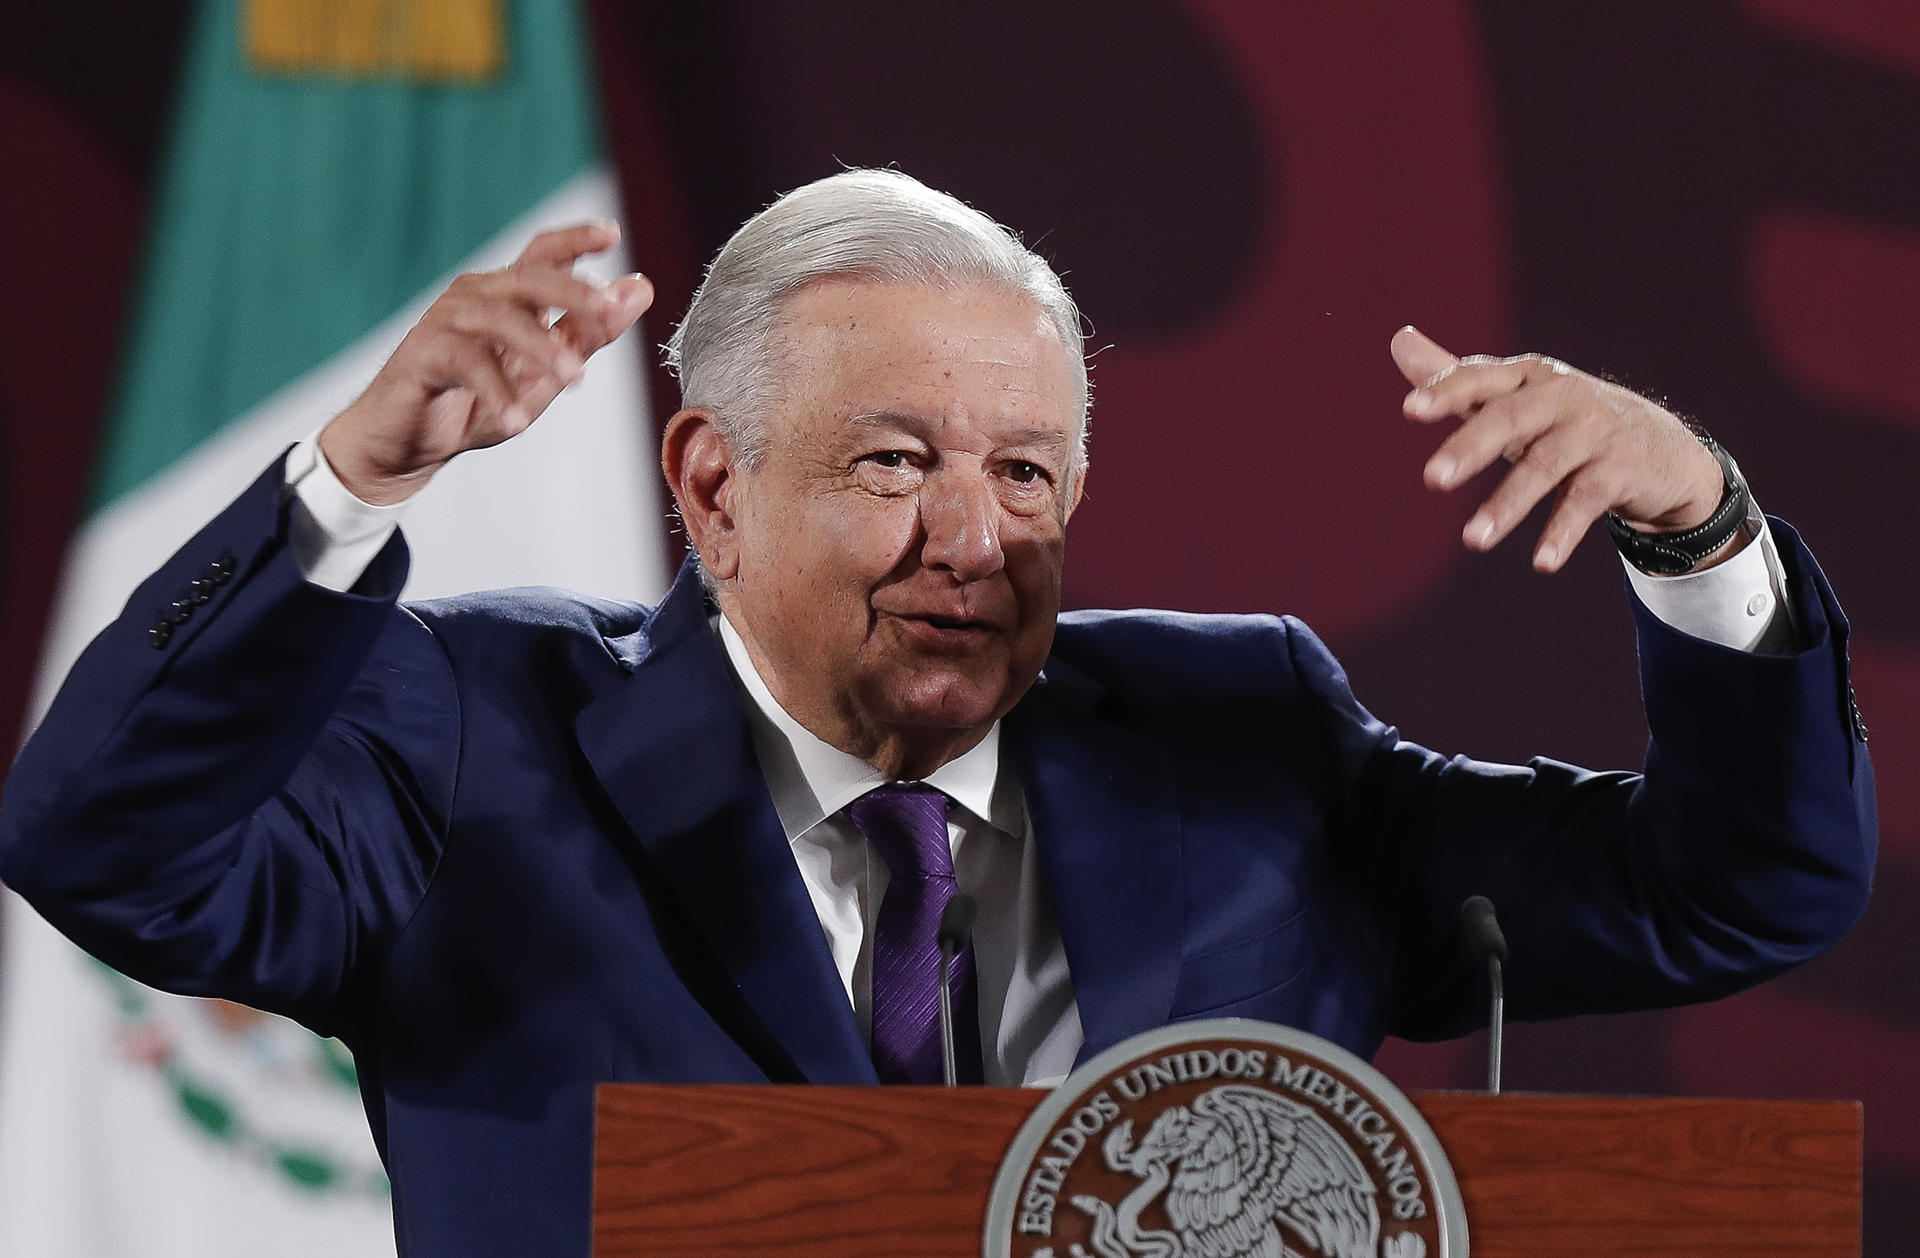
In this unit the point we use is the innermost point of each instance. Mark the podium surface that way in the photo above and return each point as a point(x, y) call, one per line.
point(904, 1172)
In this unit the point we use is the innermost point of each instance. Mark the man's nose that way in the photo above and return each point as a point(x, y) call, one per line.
point(962, 523)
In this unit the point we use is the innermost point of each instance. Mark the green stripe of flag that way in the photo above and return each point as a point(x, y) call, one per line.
point(299, 212)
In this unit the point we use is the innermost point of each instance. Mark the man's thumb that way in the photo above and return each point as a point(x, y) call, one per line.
point(1418, 356)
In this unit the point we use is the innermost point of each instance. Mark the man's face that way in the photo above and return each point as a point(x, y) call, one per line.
point(900, 544)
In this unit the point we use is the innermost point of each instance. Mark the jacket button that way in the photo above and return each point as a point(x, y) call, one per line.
point(180, 611)
point(159, 634)
point(221, 569)
point(200, 591)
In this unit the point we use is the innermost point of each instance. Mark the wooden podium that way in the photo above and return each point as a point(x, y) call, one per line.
point(904, 1172)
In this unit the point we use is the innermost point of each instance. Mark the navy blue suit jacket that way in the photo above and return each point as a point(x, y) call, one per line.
point(511, 845)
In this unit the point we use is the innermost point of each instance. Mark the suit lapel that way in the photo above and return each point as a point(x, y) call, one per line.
point(1107, 821)
point(673, 751)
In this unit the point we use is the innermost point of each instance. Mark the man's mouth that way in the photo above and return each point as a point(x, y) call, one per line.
point(953, 622)
point(941, 631)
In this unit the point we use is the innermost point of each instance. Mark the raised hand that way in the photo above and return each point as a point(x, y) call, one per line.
point(1598, 446)
point(482, 364)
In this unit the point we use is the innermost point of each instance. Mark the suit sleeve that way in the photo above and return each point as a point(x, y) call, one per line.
point(250, 803)
point(1745, 847)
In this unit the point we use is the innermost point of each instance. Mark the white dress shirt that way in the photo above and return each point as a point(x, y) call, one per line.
point(1029, 1025)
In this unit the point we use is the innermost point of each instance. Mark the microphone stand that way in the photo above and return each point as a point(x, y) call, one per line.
point(956, 923)
point(949, 1069)
point(1482, 929)
point(1496, 1022)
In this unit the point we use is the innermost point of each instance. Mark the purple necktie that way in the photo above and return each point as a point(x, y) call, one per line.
point(906, 823)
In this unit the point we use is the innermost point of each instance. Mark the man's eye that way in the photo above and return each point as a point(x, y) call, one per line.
point(1023, 472)
point(888, 458)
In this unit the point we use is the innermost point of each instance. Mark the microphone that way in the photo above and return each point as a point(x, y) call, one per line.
point(956, 924)
point(1489, 945)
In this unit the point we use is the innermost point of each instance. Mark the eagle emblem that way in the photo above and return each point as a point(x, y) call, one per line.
point(1225, 1138)
point(1242, 1173)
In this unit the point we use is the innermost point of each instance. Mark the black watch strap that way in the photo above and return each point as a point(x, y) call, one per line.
point(1670, 554)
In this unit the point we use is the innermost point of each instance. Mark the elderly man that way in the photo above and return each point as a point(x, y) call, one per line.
point(513, 844)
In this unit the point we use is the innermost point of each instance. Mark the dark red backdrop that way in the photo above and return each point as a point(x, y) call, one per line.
point(1715, 201)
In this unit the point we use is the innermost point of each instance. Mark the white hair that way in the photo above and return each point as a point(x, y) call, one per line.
point(879, 225)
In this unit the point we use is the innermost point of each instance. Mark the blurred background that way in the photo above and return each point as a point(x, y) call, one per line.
point(1713, 202)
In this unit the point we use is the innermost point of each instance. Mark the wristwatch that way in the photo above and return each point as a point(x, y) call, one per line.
point(1670, 554)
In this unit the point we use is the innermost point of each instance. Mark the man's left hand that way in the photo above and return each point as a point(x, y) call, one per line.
point(1601, 447)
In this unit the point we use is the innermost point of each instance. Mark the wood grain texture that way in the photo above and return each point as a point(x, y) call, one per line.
point(1573, 1176)
point(807, 1172)
point(904, 1172)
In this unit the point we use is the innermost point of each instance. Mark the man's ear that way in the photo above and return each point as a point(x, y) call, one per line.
point(700, 471)
point(1079, 488)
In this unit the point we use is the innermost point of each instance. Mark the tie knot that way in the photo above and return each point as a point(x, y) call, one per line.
point(906, 823)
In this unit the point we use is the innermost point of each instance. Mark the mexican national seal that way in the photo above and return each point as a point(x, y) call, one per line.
point(1225, 1139)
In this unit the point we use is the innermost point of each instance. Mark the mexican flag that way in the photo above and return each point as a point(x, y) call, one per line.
point(334, 164)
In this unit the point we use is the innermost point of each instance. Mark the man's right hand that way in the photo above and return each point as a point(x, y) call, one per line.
point(482, 364)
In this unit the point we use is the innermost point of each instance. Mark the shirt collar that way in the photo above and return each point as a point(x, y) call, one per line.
point(810, 780)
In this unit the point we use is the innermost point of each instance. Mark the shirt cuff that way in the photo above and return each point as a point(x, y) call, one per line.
point(1741, 603)
point(334, 536)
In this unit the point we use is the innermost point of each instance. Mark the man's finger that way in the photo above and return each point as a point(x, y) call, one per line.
point(588, 331)
point(1504, 425)
point(1546, 463)
point(1459, 389)
point(1417, 355)
point(466, 363)
point(1583, 499)
point(542, 290)
point(512, 329)
point(562, 246)
point(537, 395)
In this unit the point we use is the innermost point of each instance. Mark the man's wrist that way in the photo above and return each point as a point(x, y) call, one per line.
point(334, 534)
point(372, 488)
point(1696, 549)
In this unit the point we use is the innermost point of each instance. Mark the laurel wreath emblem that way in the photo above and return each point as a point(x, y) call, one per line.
point(211, 1108)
